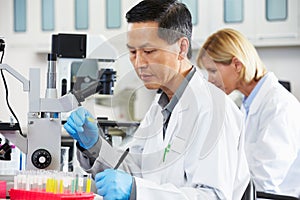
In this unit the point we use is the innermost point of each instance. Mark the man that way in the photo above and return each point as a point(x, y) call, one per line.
point(190, 143)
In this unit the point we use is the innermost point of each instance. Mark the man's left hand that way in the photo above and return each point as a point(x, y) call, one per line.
point(113, 184)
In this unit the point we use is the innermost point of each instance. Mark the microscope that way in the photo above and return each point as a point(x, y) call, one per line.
point(42, 143)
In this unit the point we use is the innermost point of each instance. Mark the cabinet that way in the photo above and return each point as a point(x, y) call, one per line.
point(94, 19)
point(214, 15)
point(280, 29)
point(252, 20)
point(251, 17)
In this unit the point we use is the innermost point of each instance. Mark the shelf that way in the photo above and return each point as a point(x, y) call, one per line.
point(276, 43)
point(197, 43)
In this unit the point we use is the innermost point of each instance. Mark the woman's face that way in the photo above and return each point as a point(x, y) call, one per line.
point(223, 76)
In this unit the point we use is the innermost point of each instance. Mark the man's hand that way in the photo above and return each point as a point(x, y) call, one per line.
point(113, 184)
point(82, 126)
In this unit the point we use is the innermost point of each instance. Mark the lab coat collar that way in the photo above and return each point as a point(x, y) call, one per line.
point(247, 101)
point(182, 105)
point(269, 83)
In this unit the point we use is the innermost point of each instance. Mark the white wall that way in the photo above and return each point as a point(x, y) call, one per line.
point(25, 50)
point(285, 63)
point(29, 49)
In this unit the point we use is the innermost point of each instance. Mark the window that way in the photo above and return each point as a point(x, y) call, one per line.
point(193, 7)
point(276, 10)
point(20, 15)
point(47, 15)
point(113, 14)
point(233, 11)
point(81, 14)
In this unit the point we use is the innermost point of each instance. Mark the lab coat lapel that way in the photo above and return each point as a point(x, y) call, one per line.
point(177, 122)
point(177, 130)
point(262, 93)
point(175, 119)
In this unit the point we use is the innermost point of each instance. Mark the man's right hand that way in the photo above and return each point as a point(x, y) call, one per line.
point(82, 126)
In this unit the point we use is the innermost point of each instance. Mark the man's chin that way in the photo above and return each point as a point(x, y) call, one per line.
point(152, 86)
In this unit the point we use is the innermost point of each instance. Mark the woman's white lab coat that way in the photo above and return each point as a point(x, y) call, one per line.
point(206, 159)
point(273, 139)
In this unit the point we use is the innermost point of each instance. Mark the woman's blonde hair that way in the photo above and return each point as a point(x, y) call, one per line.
point(227, 43)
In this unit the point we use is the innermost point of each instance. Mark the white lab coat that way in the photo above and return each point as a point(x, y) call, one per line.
point(206, 159)
point(272, 139)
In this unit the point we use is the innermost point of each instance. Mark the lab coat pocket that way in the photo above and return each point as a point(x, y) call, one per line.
point(176, 151)
point(174, 162)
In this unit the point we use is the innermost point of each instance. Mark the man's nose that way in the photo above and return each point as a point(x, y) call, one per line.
point(140, 61)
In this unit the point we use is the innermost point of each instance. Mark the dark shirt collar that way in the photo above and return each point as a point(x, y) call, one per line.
point(169, 105)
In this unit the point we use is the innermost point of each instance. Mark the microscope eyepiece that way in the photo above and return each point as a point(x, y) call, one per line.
point(52, 57)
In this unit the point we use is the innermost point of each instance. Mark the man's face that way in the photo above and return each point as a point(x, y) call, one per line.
point(155, 61)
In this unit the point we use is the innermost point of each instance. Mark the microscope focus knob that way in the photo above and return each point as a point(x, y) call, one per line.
point(41, 158)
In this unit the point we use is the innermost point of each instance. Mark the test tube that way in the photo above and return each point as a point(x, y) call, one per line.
point(34, 185)
point(73, 186)
point(88, 183)
point(48, 185)
point(39, 183)
point(61, 186)
point(16, 182)
point(67, 185)
point(55, 186)
point(44, 178)
point(80, 184)
point(21, 181)
point(24, 185)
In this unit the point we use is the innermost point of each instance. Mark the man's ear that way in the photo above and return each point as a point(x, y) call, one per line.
point(237, 64)
point(184, 48)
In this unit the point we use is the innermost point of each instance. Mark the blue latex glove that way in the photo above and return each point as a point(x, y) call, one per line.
point(113, 184)
point(82, 126)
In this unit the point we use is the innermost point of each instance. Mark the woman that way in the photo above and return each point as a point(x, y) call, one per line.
point(272, 129)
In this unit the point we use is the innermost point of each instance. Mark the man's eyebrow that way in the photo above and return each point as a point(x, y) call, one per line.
point(142, 46)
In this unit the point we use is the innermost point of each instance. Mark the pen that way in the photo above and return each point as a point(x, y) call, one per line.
point(122, 158)
point(167, 149)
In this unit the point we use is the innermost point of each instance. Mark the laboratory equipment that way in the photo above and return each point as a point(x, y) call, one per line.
point(40, 184)
point(42, 144)
point(52, 181)
point(5, 150)
point(43, 141)
point(116, 130)
point(79, 57)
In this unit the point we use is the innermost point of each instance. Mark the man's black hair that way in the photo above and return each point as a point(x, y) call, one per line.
point(173, 18)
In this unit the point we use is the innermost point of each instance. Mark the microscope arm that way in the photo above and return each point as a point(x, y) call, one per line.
point(17, 75)
point(102, 85)
point(69, 101)
point(93, 88)
point(65, 103)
